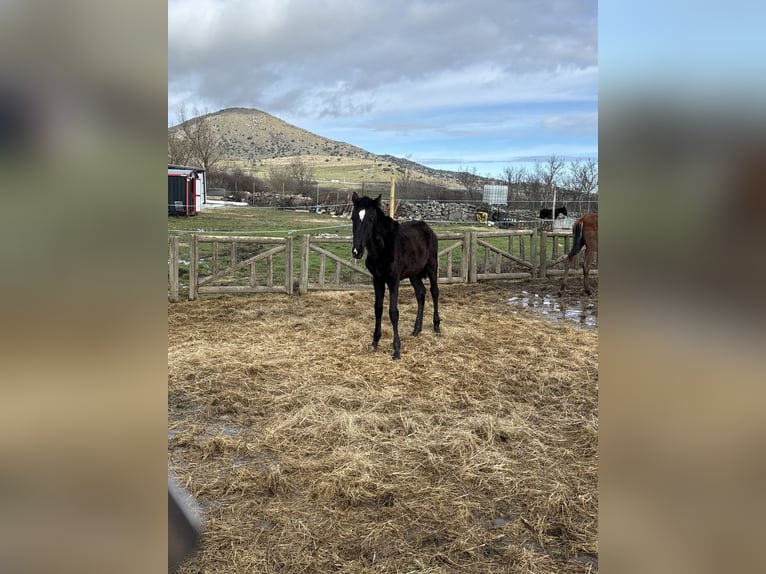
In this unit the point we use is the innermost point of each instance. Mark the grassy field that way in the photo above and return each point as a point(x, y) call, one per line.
point(339, 169)
point(271, 222)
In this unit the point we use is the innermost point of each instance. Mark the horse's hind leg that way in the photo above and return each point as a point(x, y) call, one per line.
point(566, 271)
point(393, 313)
point(380, 292)
point(420, 295)
point(587, 260)
point(433, 278)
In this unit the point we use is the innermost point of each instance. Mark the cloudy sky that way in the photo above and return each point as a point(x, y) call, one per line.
point(478, 84)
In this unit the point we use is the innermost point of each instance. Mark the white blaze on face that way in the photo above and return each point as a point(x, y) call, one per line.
point(361, 218)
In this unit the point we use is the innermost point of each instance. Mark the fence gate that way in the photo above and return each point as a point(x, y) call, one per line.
point(455, 253)
point(559, 243)
point(492, 258)
point(346, 273)
point(221, 264)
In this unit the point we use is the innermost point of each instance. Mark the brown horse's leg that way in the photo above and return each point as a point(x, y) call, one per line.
point(585, 268)
point(380, 293)
point(567, 265)
point(420, 295)
point(393, 313)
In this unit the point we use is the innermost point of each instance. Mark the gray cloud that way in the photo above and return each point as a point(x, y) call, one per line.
point(345, 57)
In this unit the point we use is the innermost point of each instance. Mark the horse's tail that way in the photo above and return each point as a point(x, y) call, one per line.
point(578, 241)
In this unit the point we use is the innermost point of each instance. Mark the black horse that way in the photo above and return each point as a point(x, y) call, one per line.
point(546, 212)
point(395, 251)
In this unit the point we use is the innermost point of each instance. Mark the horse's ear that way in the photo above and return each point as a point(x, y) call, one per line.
point(377, 200)
point(354, 197)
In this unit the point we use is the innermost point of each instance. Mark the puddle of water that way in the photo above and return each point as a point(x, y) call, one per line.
point(220, 427)
point(581, 313)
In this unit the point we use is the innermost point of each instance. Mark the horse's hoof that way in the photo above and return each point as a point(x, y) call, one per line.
point(416, 333)
point(396, 356)
point(373, 346)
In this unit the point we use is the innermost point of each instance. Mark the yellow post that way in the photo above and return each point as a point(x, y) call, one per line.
point(391, 206)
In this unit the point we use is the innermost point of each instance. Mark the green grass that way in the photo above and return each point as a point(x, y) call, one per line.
point(257, 221)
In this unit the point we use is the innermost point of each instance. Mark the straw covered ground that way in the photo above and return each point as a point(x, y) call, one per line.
point(307, 452)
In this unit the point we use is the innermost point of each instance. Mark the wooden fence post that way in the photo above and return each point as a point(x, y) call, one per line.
point(173, 268)
point(474, 255)
point(543, 249)
point(193, 266)
point(289, 265)
point(465, 258)
point(303, 282)
point(533, 254)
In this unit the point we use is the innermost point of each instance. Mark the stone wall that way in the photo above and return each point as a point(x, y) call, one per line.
point(453, 211)
point(437, 211)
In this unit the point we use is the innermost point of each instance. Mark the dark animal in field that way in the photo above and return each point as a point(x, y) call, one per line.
point(546, 212)
point(585, 231)
point(395, 251)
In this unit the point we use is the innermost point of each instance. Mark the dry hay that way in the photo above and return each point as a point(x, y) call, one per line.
point(307, 452)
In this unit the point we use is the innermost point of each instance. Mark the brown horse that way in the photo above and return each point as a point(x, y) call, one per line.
point(585, 232)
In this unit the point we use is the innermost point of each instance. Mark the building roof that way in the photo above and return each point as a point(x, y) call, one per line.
point(187, 167)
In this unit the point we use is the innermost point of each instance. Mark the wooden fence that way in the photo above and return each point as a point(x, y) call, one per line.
point(228, 264)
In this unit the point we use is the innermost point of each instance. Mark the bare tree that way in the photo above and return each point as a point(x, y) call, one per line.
point(470, 180)
point(303, 176)
point(280, 179)
point(404, 181)
point(514, 179)
point(202, 139)
point(534, 183)
point(583, 178)
point(550, 176)
point(179, 152)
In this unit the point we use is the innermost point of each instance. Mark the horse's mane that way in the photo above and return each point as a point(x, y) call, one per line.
point(389, 224)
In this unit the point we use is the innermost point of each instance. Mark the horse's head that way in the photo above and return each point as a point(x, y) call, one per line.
point(363, 219)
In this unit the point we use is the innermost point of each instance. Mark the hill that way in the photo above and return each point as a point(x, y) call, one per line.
point(255, 140)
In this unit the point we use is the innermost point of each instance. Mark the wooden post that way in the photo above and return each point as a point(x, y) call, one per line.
point(533, 254)
point(474, 255)
point(543, 249)
point(193, 266)
point(465, 256)
point(289, 265)
point(303, 282)
point(391, 204)
point(173, 268)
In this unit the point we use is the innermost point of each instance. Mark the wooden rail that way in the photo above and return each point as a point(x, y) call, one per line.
point(243, 266)
point(236, 264)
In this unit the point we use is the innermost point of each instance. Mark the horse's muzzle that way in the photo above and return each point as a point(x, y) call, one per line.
point(357, 253)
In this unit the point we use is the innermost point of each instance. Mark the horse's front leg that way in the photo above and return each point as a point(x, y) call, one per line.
point(380, 292)
point(393, 313)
